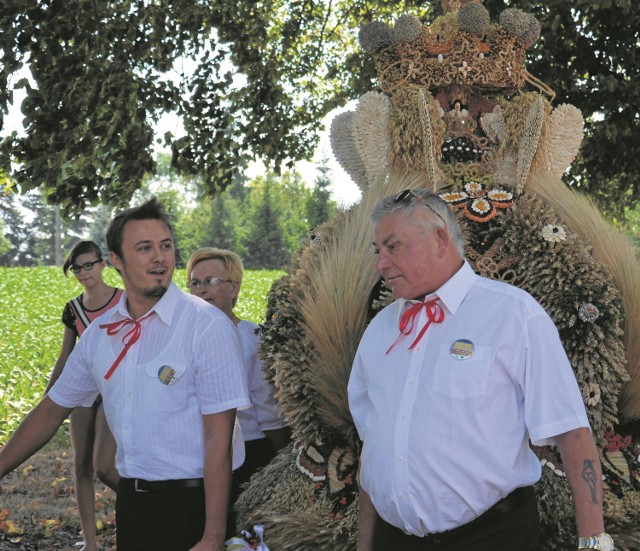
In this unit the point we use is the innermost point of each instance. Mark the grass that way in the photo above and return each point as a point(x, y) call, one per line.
point(31, 303)
point(37, 507)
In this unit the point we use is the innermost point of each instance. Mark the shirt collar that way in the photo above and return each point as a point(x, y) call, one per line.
point(164, 308)
point(452, 293)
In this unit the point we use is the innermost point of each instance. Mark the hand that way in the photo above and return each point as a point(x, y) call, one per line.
point(208, 546)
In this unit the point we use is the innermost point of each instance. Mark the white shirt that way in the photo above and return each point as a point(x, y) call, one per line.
point(446, 438)
point(263, 413)
point(158, 427)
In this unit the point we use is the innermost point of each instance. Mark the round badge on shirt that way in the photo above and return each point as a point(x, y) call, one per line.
point(167, 375)
point(462, 349)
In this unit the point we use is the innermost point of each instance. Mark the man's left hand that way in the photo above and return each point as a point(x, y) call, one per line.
point(208, 546)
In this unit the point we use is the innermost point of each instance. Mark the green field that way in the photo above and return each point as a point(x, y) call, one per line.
point(31, 303)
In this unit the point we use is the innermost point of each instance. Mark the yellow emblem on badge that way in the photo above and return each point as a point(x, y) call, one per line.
point(167, 375)
point(462, 349)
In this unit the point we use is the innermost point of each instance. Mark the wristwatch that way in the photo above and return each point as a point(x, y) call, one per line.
point(602, 541)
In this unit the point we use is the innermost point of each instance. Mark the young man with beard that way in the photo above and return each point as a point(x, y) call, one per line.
point(169, 369)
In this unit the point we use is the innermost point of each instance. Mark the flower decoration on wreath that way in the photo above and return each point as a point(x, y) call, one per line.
point(334, 476)
point(621, 462)
point(479, 204)
point(554, 234)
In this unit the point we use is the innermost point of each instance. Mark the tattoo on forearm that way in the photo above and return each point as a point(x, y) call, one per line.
point(589, 476)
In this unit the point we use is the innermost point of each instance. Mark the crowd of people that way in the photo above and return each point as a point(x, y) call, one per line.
point(163, 385)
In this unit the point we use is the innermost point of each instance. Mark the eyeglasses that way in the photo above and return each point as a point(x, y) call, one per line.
point(87, 266)
point(208, 282)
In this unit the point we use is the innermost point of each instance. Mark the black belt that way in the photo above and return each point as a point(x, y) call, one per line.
point(140, 485)
point(518, 497)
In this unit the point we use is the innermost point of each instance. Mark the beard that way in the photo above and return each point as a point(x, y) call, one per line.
point(155, 292)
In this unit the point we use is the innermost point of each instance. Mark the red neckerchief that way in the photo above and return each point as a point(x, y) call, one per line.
point(435, 314)
point(128, 339)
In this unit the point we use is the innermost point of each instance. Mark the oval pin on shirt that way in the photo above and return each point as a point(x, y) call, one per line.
point(167, 375)
point(462, 349)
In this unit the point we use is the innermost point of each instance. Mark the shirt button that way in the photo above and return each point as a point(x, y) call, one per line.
point(403, 418)
point(400, 457)
point(410, 383)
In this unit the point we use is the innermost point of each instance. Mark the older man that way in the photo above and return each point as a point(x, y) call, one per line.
point(449, 384)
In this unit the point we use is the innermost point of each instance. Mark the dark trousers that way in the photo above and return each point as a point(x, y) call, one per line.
point(171, 520)
point(510, 526)
point(258, 454)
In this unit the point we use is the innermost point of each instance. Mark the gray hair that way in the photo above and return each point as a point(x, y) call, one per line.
point(406, 202)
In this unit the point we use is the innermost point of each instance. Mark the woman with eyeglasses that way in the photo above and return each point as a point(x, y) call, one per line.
point(93, 444)
point(215, 275)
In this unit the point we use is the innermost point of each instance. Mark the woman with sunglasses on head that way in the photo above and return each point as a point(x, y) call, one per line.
point(93, 444)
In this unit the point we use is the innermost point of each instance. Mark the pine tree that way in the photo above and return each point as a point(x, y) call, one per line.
point(16, 232)
point(221, 230)
point(320, 207)
point(265, 245)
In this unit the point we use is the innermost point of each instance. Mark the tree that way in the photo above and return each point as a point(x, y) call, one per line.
point(588, 54)
point(631, 225)
point(265, 75)
point(49, 236)
point(5, 245)
point(16, 232)
point(221, 231)
point(212, 223)
point(265, 245)
point(35, 236)
point(319, 206)
point(97, 230)
point(291, 195)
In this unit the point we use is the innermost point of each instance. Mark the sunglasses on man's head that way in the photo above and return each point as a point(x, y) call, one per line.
point(87, 266)
point(404, 196)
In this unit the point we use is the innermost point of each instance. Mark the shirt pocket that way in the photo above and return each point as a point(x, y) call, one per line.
point(165, 387)
point(463, 378)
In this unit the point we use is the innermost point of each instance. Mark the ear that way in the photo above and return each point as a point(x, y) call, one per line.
point(115, 261)
point(443, 240)
point(235, 289)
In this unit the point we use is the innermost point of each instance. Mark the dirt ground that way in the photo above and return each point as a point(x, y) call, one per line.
point(38, 508)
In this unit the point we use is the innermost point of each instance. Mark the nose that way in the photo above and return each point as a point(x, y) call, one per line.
point(382, 261)
point(159, 254)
